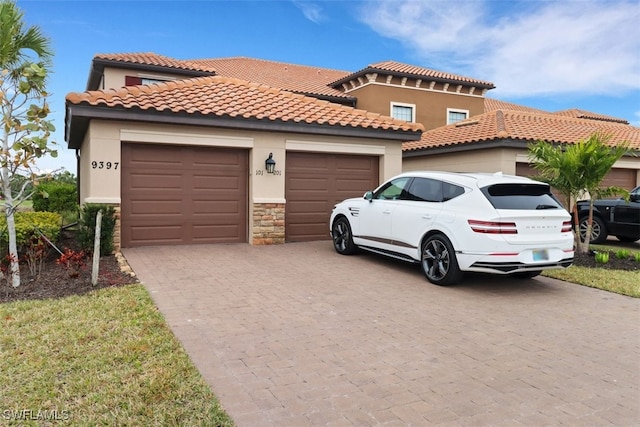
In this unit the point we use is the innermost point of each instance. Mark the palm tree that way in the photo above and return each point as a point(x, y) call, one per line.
point(596, 158)
point(558, 170)
point(578, 169)
point(25, 55)
point(16, 42)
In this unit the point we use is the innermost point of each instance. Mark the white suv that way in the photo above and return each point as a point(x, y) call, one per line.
point(456, 222)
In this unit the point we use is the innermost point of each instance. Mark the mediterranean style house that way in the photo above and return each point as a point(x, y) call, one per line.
point(248, 150)
point(497, 140)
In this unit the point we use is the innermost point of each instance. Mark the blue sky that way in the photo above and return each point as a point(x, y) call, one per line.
point(551, 55)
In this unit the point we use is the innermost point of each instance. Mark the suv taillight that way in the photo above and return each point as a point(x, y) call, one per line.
point(566, 227)
point(490, 227)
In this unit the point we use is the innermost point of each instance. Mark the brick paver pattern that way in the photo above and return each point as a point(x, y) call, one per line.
point(297, 335)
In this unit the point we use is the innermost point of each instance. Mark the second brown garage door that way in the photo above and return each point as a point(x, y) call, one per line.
point(617, 177)
point(315, 182)
point(176, 195)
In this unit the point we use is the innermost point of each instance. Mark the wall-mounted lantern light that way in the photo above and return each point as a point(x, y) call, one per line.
point(270, 164)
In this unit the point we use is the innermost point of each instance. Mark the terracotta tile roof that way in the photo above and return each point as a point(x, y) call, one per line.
point(232, 98)
point(523, 126)
point(582, 114)
point(491, 104)
point(150, 58)
point(295, 78)
point(495, 104)
point(394, 67)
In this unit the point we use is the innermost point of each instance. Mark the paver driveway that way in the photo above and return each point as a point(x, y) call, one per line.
point(296, 335)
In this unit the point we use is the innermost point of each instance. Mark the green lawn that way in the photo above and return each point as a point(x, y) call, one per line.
point(618, 281)
point(108, 358)
point(104, 358)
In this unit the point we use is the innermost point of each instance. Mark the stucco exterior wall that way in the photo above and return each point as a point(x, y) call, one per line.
point(492, 160)
point(489, 160)
point(101, 156)
point(431, 105)
point(115, 77)
point(104, 138)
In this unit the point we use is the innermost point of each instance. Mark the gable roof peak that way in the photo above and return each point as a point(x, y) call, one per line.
point(414, 71)
point(151, 59)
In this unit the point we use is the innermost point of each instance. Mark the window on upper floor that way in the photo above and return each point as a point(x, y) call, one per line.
point(135, 80)
point(406, 112)
point(455, 115)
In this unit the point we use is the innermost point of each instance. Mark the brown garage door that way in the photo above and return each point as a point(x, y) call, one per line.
point(176, 195)
point(315, 182)
point(624, 178)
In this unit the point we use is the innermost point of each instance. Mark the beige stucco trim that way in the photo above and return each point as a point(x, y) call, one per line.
point(627, 164)
point(177, 138)
point(489, 161)
point(109, 200)
point(623, 163)
point(330, 147)
point(424, 89)
point(269, 200)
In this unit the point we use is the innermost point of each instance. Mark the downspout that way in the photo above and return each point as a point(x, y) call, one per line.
point(78, 176)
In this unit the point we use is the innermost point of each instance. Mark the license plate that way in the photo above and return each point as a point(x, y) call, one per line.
point(540, 255)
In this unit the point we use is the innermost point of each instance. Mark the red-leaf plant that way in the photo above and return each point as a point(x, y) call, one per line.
point(73, 261)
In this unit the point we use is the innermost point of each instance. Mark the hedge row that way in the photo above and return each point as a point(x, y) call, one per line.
point(55, 197)
point(30, 224)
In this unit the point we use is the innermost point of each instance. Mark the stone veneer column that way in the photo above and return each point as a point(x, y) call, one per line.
point(117, 230)
point(268, 223)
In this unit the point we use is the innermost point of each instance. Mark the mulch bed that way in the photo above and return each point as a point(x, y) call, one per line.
point(615, 263)
point(54, 281)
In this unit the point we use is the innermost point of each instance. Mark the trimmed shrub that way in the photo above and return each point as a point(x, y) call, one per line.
point(87, 232)
point(27, 226)
point(55, 197)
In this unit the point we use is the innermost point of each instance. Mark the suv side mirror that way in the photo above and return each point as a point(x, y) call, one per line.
point(368, 195)
point(634, 197)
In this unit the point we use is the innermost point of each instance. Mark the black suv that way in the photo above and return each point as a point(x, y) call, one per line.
point(615, 217)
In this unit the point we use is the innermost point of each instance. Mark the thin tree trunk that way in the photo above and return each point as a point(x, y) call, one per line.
point(13, 249)
point(11, 227)
point(576, 227)
point(584, 247)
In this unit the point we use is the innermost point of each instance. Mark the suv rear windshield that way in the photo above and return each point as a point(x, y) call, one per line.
point(521, 196)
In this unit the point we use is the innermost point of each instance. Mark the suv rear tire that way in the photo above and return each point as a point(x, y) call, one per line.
point(439, 262)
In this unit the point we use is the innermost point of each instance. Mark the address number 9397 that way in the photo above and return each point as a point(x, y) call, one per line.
point(104, 165)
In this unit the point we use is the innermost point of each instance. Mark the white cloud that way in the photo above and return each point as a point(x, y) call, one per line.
point(311, 11)
point(532, 48)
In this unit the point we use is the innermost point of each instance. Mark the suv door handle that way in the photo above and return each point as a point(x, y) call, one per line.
point(386, 212)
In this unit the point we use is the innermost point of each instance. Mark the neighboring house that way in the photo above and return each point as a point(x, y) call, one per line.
point(415, 94)
point(179, 146)
point(498, 139)
point(183, 155)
